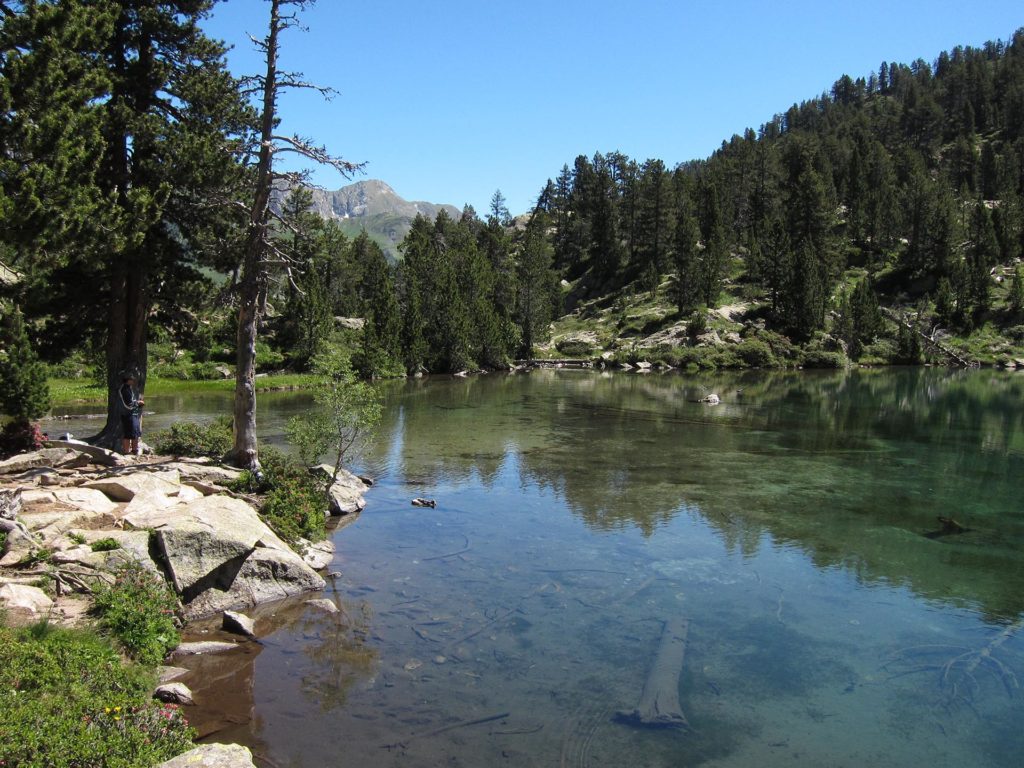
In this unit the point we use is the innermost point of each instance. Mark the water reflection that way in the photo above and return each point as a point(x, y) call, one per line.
point(852, 468)
point(578, 514)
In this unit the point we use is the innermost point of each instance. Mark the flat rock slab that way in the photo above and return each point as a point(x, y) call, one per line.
point(96, 455)
point(209, 474)
point(202, 646)
point(124, 487)
point(47, 457)
point(212, 756)
point(167, 674)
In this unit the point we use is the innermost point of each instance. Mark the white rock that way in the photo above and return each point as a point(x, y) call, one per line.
point(24, 601)
point(238, 623)
point(124, 487)
point(317, 556)
point(212, 756)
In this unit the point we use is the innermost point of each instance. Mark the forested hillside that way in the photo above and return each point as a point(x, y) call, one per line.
point(895, 196)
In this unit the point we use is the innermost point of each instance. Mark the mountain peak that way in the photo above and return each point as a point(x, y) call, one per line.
point(373, 206)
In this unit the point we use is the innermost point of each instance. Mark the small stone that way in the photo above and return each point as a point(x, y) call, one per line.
point(413, 664)
point(440, 659)
point(173, 693)
point(238, 623)
point(322, 604)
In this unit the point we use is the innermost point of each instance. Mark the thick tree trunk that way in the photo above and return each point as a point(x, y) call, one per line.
point(127, 323)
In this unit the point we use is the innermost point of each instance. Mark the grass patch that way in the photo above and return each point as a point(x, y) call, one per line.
point(68, 391)
point(66, 699)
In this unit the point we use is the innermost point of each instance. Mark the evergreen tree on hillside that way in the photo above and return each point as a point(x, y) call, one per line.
point(381, 342)
point(535, 283)
point(686, 258)
point(982, 256)
point(653, 224)
point(713, 256)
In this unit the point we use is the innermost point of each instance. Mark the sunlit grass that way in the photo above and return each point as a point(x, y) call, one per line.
point(68, 391)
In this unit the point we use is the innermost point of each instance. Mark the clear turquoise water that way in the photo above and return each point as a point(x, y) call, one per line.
point(578, 512)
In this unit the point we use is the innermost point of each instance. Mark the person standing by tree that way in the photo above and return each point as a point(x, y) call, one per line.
point(131, 415)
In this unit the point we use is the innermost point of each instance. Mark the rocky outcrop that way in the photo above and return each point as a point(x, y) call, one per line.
point(174, 517)
point(213, 756)
point(347, 493)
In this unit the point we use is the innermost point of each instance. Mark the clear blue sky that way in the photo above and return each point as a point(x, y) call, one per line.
point(449, 101)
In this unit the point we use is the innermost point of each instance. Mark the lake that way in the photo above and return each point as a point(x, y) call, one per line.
point(792, 531)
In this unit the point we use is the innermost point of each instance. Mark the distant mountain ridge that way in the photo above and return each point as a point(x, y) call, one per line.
point(375, 207)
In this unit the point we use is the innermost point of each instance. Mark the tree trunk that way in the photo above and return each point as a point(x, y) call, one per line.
point(244, 453)
point(126, 351)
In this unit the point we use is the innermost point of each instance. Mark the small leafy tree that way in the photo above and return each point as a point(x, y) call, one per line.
point(347, 413)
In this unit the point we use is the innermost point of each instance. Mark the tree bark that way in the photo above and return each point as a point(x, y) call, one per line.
point(245, 451)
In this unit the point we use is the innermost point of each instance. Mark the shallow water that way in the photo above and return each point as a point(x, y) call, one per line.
point(578, 512)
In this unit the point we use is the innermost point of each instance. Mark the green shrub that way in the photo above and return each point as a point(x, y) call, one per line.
point(755, 353)
point(66, 699)
point(295, 503)
point(268, 358)
point(105, 545)
point(818, 358)
point(698, 323)
point(139, 611)
point(187, 438)
point(575, 349)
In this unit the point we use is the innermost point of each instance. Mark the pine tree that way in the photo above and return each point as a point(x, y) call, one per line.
point(1015, 301)
point(535, 281)
point(381, 342)
point(687, 285)
point(147, 176)
point(982, 255)
point(653, 223)
point(24, 390)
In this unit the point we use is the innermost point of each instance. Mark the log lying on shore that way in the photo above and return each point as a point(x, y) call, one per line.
point(659, 702)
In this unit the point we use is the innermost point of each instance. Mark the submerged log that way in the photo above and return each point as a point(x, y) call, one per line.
point(659, 702)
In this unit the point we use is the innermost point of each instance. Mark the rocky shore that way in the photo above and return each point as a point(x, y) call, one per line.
point(73, 515)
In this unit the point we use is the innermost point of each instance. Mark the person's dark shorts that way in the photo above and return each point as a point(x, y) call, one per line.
point(131, 423)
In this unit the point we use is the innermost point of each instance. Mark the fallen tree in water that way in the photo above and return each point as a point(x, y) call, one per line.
point(659, 702)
